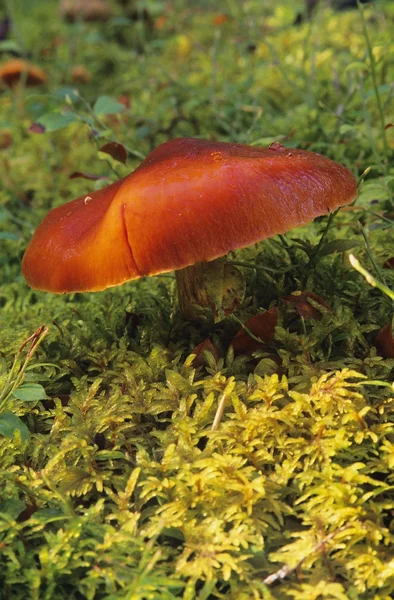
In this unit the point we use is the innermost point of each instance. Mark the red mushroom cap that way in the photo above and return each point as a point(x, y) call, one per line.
point(189, 201)
point(16, 69)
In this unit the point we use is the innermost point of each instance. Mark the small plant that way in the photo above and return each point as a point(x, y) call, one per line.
point(373, 281)
point(15, 385)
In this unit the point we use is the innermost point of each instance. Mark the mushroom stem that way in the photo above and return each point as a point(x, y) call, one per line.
point(19, 98)
point(209, 290)
point(193, 297)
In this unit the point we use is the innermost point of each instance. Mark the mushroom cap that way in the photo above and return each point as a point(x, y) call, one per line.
point(80, 74)
point(189, 201)
point(16, 69)
point(86, 10)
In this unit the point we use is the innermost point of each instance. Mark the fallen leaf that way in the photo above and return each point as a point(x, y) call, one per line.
point(384, 342)
point(389, 264)
point(220, 19)
point(117, 151)
point(160, 22)
point(5, 139)
point(78, 174)
point(36, 128)
point(304, 307)
point(205, 346)
point(261, 326)
point(125, 100)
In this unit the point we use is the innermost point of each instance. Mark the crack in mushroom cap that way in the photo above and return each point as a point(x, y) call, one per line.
point(189, 201)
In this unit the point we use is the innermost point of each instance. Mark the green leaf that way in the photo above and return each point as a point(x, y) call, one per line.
point(376, 226)
point(9, 423)
point(55, 121)
point(49, 515)
point(141, 132)
point(67, 92)
point(338, 246)
point(12, 507)
point(105, 105)
point(380, 89)
point(10, 46)
point(357, 65)
point(345, 129)
point(121, 22)
point(372, 190)
point(6, 235)
point(225, 286)
point(30, 392)
point(109, 455)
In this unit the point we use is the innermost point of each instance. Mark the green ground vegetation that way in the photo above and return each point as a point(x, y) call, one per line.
point(112, 484)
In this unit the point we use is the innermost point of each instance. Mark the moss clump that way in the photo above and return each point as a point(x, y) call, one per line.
point(123, 491)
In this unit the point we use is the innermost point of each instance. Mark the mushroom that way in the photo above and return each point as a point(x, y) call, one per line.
point(190, 202)
point(80, 74)
point(85, 10)
point(18, 74)
point(17, 70)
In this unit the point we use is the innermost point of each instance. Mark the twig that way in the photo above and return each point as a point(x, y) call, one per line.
point(219, 412)
point(288, 570)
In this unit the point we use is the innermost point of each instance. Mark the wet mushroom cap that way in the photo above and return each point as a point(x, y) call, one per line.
point(189, 201)
point(16, 70)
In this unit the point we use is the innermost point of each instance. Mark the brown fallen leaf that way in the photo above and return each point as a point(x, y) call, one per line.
point(389, 264)
point(205, 346)
point(78, 175)
point(220, 19)
point(304, 307)
point(117, 151)
point(261, 326)
point(384, 342)
point(5, 139)
point(36, 128)
point(160, 22)
point(125, 100)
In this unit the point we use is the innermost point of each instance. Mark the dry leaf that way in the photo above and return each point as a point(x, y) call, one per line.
point(117, 151)
point(384, 342)
point(262, 326)
point(5, 139)
point(78, 174)
point(205, 346)
point(220, 19)
point(304, 307)
point(389, 264)
point(36, 128)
